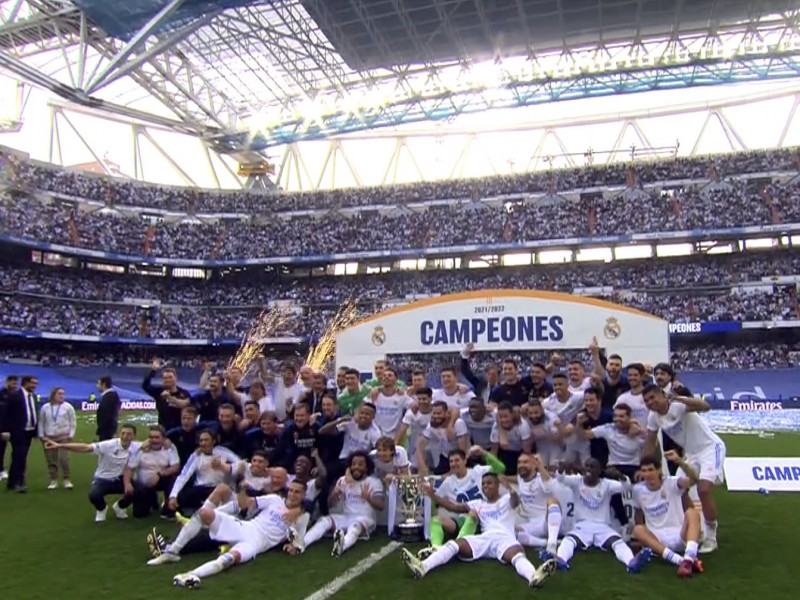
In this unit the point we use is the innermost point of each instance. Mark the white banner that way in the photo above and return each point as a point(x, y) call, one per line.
point(763, 474)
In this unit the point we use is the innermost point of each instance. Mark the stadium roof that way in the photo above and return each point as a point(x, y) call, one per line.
point(249, 74)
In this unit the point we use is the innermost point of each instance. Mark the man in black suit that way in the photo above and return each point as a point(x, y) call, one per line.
point(12, 383)
point(19, 425)
point(107, 410)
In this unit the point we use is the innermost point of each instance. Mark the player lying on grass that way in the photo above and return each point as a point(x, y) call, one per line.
point(461, 486)
point(593, 518)
point(276, 520)
point(355, 502)
point(662, 522)
point(496, 515)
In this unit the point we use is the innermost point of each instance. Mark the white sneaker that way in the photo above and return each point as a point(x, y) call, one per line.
point(3, 475)
point(413, 563)
point(100, 515)
point(164, 558)
point(119, 512)
point(338, 543)
point(68, 484)
point(53, 485)
point(545, 570)
point(186, 580)
point(708, 546)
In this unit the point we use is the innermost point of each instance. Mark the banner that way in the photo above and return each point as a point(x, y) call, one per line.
point(704, 327)
point(762, 474)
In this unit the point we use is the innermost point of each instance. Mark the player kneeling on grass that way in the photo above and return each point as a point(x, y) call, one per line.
point(662, 524)
point(276, 521)
point(359, 496)
point(593, 518)
point(540, 513)
point(496, 515)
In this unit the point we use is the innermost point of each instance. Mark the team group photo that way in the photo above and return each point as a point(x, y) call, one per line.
point(398, 299)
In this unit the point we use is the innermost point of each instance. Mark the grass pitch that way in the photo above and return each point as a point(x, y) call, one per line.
point(50, 548)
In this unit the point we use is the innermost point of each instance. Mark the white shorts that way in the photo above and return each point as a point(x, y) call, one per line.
point(671, 538)
point(490, 545)
point(536, 526)
point(244, 537)
point(593, 534)
point(709, 464)
point(344, 522)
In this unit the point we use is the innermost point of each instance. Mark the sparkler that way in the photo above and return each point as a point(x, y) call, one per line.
point(319, 354)
point(266, 325)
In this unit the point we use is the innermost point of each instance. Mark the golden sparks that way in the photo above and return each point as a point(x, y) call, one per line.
point(319, 354)
point(266, 326)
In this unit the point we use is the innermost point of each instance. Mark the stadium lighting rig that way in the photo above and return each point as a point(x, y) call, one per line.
point(765, 50)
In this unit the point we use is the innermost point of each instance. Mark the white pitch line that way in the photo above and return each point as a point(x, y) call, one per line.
point(353, 572)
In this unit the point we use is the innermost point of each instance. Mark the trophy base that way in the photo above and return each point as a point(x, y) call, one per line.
point(411, 533)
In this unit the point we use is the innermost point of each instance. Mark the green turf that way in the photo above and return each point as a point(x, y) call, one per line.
point(50, 548)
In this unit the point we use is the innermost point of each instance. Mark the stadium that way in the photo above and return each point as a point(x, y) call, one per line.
point(211, 186)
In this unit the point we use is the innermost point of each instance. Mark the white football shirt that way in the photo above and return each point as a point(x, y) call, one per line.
point(533, 496)
point(662, 508)
point(150, 463)
point(399, 462)
point(688, 429)
point(495, 517)
point(592, 503)
point(480, 432)
point(389, 412)
point(269, 520)
point(517, 435)
point(356, 438)
point(623, 449)
point(455, 400)
point(564, 411)
point(417, 422)
point(353, 503)
point(438, 444)
point(112, 458)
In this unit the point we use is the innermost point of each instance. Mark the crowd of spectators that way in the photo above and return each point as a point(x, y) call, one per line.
point(685, 274)
point(121, 192)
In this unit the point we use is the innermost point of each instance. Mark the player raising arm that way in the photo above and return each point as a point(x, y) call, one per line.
point(677, 417)
point(662, 524)
point(496, 515)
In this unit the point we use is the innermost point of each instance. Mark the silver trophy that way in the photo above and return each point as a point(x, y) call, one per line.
point(409, 497)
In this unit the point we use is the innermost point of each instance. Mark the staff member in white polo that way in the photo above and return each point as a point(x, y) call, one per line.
point(113, 456)
point(57, 423)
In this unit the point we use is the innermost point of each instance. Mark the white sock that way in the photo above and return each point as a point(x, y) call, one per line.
point(711, 530)
point(209, 504)
point(691, 550)
point(317, 531)
point(553, 524)
point(669, 556)
point(213, 567)
point(443, 555)
point(523, 566)
point(351, 536)
point(623, 552)
point(187, 532)
point(531, 541)
point(567, 549)
point(391, 510)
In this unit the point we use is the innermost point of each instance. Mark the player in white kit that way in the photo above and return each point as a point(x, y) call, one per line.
point(391, 403)
point(267, 530)
point(359, 496)
point(593, 519)
point(705, 451)
point(496, 515)
point(539, 512)
point(565, 405)
point(414, 424)
point(633, 398)
point(662, 522)
point(461, 486)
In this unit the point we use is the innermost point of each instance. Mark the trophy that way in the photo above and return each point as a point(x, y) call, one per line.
point(410, 507)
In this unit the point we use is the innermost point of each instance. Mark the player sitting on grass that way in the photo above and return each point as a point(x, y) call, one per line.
point(359, 496)
point(540, 513)
point(593, 518)
point(662, 523)
point(276, 521)
point(496, 515)
point(460, 486)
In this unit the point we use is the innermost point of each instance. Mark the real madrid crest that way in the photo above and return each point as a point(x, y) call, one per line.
point(613, 329)
point(379, 336)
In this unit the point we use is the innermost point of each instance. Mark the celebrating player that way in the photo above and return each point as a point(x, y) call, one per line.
point(662, 523)
point(540, 512)
point(496, 515)
point(592, 519)
point(268, 529)
point(361, 497)
point(677, 417)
